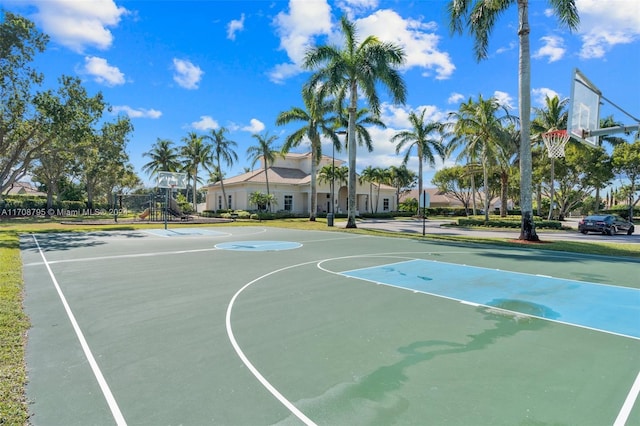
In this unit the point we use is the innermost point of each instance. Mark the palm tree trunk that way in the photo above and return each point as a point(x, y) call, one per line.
point(485, 176)
point(552, 191)
point(504, 185)
point(266, 177)
point(351, 148)
point(420, 210)
point(473, 194)
point(528, 229)
point(224, 195)
point(195, 180)
point(314, 198)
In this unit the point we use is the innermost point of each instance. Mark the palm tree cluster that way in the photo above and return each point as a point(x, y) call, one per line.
point(481, 131)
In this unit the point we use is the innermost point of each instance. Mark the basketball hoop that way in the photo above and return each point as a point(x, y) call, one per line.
point(555, 142)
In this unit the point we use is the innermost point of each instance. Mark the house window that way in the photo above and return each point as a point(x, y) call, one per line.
point(385, 204)
point(230, 204)
point(288, 203)
point(219, 202)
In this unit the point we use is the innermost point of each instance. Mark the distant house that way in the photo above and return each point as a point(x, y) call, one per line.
point(435, 196)
point(439, 199)
point(23, 188)
point(290, 183)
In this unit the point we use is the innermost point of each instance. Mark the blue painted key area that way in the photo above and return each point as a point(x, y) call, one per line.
point(602, 307)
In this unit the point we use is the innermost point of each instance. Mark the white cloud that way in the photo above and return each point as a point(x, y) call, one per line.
point(102, 72)
point(504, 99)
point(512, 45)
point(205, 123)
point(234, 26)
point(187, 75)
point(309, 19)
point(552, 48)
point(78, 24)
point(256, 126)
point(354, 7)
point(418, 39)
point(137, 113)
point(604, 24)
point(297, 29)
point(455, 98)
point(540, 94)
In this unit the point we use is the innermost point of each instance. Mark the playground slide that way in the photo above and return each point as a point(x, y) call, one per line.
point(145, 213)
point(175, 209)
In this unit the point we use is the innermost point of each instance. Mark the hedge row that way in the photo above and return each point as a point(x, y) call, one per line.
point(542, 224)
point(25, 202)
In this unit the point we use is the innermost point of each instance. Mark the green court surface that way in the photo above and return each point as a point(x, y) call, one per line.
point(260, 326)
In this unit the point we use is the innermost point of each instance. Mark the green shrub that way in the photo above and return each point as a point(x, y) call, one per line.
point(507, 223)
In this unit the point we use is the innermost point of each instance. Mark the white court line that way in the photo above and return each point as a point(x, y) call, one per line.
point(284, 401)
point(625, 411)
point(111, 401)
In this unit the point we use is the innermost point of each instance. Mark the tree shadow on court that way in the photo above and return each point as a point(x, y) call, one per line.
point(380, 386)
point(67, 241)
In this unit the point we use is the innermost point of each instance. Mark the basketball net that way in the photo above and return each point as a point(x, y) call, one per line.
point(555, 142)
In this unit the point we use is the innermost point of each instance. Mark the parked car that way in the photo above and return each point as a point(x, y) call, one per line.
point(609, 224)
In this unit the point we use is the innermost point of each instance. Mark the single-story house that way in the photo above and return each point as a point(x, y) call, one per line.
point(23, 188)
point(437, 198)
point(290, 183)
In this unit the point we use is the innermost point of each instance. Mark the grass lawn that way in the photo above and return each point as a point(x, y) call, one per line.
point(14, 324)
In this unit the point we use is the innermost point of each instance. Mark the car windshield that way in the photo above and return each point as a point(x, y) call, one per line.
point(596, 217)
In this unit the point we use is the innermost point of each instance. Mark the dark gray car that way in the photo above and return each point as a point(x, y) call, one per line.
point(609, 224)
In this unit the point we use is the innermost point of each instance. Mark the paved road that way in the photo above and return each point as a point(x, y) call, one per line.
point(434, 227)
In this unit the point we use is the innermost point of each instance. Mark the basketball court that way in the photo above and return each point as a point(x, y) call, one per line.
point(257, 326)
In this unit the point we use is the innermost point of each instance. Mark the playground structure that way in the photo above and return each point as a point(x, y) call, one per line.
point(153, 207)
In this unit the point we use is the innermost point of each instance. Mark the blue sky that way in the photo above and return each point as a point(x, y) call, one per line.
point(181, 66)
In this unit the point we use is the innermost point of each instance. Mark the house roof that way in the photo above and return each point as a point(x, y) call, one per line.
point(276, 175)
point(436, 197)
point(23, 188)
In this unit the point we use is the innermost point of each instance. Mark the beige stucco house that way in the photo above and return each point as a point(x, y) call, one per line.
point(290, 183)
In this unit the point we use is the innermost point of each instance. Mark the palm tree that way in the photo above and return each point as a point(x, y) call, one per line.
point(401, 179)
point(164, 158)
point(507, 157)
point(195, 153)
point(364, 120)
point(356, 66)
point(477, 128)
point(550, 118)
point(370, 174)
point(316, 121)
point(222, 151)
point(479, 16)
point(611, 140)
point(264, 149)
point(419, 137)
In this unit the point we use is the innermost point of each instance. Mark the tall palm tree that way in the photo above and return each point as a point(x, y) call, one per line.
point(164, 158)
point(477, 127)
point(342, 71)
point(316, 121)
point(222, 151)
point(553, 116)
point(195, 153)
point(264, 149)
point(421, 137)
point(480, 16)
